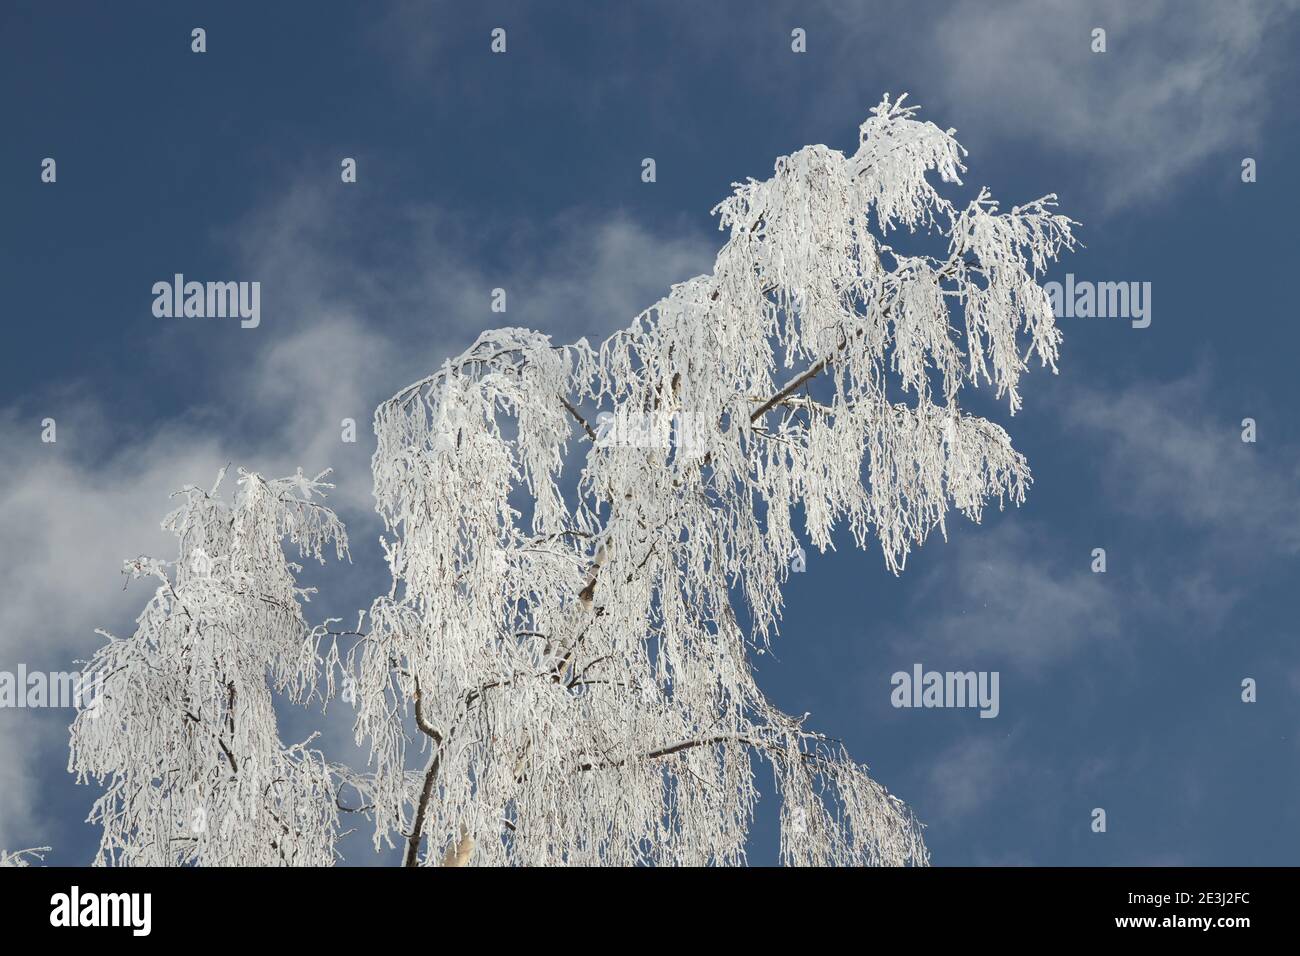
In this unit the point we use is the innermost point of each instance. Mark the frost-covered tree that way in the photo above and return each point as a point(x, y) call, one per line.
point(183, 735)
point(560, 671)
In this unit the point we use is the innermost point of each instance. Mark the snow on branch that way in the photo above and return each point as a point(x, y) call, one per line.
point(22, 857)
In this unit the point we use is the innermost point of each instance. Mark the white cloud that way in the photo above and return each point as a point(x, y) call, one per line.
point(1182, 82)
point(997, 596)
point(968, 776)
point(67, 521)
point(1175, 451)
point(1185, 86)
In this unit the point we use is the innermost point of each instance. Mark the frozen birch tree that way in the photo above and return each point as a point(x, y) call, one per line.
point(587, 544)
point(183, 736)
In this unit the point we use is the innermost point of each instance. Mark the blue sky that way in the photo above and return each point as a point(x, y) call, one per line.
point(1118, 690)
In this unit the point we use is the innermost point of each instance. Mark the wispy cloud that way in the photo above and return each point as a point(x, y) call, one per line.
point(968, 775)
point(1001, 596)
point(68, 519)
point(1181, 83)
point(1174, 453)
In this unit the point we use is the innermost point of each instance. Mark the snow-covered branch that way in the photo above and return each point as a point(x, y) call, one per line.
point(23, 857)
